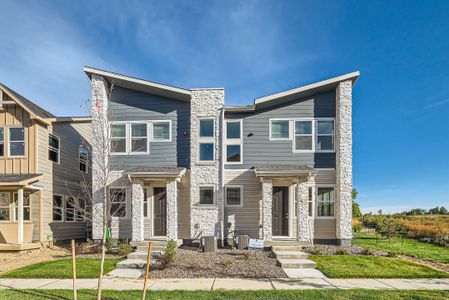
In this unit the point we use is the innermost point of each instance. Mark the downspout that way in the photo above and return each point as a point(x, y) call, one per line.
point(222, 178)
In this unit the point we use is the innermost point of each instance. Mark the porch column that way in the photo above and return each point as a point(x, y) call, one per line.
point(302, 212)
point(20, 216)
point(137, 211)
point(172, 210)
point(267, 204)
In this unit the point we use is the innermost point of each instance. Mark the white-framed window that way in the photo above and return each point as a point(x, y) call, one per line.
point(233, 142)
point(26, 207)
point(53, 148)
point(139, 138)
point(119, 143)
point(161, 131)
point(279, 130)
point(84, 159)
point(81, 210)
point(145, 203)
point(325, 201)
point(70, 209)
point(58, 208)
point(5, 208)
point(2, 141)
point(310, 201)
point(206, 195)
point(16, 141)
point(117, 198)
point(304, 137)
point(206, 140)
point(234, 195)
point(325, 135)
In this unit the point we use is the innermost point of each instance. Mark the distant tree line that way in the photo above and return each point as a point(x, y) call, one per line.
point(419, 211)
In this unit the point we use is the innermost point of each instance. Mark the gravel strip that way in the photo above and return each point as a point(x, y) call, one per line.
point(338, 250)
point(223, 263)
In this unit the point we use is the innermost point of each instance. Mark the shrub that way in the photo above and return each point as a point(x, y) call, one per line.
point(169, 254)
point(246, 255)
point(342, 251)
point(356, 225)
point(226, 262)
point(125, 248)
point(109, 244)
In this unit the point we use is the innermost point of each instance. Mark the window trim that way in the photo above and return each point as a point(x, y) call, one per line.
point(315, 194)
point(86, 162)
point(206, 140)
point(312, 134)
point(9, 207)
point(241, 195)
point(233, 142)
point(58, 151)
point(213, 195)
point(61, 207)
point(24, 143)
point(129, 138)
point(127, 213)
point(2, 142)
point(270, 138)
point(126, 137)
point(333, 135)
point(15, 216)
point(66, 198)
point(169, 131)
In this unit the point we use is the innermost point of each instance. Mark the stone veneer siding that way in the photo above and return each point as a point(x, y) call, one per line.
point(302, 213)
point(344, 162)
point(206, 220)
point(267, 209)
point(137, 211)
point(172, 209)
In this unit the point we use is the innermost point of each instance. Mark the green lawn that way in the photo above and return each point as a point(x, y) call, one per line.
point(235, 295)
point(410, 247)
point(62, 268)
point(349, 266)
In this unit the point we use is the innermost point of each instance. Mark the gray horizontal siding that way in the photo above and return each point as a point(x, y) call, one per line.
point(259, 150)
point(129, 105)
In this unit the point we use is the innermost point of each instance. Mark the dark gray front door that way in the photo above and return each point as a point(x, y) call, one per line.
point(280, 211)
point(160, 211)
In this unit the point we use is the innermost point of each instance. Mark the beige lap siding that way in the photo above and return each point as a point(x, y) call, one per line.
point(184, 207)
point(246, 218)
point(325, 229)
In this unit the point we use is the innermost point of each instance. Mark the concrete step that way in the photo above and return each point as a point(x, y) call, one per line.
point(286, 248)
point(132, 264)
point(143, 255)
point(145, 243)
point(289, 243)
point(304, 273)
point(301, 263)
point(153, 248)
point(290, 254)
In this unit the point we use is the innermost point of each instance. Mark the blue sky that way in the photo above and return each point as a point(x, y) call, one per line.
point(255, 48)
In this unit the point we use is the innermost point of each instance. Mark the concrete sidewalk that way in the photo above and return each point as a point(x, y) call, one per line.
point(230, 284)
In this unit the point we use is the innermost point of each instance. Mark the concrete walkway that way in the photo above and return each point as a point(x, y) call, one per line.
point(230, 284)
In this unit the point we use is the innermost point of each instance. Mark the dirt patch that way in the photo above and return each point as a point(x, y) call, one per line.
point(432, 264)
point(223, 263)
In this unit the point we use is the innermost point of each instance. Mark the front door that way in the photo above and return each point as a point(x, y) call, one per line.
point(160, 211)
point(280, 211)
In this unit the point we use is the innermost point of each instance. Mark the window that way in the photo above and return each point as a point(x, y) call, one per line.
point(16, 141)
point(304, 135)
point(53, 148)
point(58, 208)
point(325, 202)
point(325, 135)
point(139, 138)
point(70, 209)
point(2, 141)
point(84, 159)
point(4, 206)
point(234, 196)
point(206, 140)
point(145, 203)
point(26, 207)
point(118, 138)
point(81, 210)
point(162, 131)
point(233, 141)
point(280, 130)
point(310, 201)
point(207, 195)
point(118, 202)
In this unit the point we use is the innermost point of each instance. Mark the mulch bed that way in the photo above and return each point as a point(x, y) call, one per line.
point(223, 263)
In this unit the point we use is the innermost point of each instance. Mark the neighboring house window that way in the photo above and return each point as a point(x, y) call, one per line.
point(118, 202)
point(26, 207)
point(2, 141)
point(325, 135)
point(84, 159)
point(206, 139)
point(4, 206)
point(139, 138)
point(234, 196)
point(53, 148)
point(58, 208)
point(233, 141)
point(16, 141)
point(304, 135)
point(70, 209)
point(325, 201)
point(145, 203)
point(118, 138)
point(207, 195)
point(280, 130)
point(81, 210)
point(310, 201)
point(162, 131)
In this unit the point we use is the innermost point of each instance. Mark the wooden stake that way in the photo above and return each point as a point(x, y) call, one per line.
point(147, 271)
point(74, 270)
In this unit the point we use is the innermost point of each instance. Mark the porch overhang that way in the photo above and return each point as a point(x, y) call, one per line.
point(284, 171)
point(18, 180)
point(156, 172)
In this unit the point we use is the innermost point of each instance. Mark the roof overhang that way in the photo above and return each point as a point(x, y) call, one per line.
point(9, 180)
point(240, 109)
point(304, 91)
point(284, 171)
point(156, 172)
point(70, 119)
point(140, 85)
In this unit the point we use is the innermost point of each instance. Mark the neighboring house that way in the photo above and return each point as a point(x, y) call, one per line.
point(43, 160)
point(187, 166)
